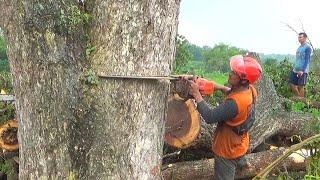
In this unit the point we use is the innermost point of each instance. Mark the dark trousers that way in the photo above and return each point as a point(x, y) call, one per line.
point(225, 169)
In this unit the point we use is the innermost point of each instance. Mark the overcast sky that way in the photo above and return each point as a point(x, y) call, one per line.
point(255, 25)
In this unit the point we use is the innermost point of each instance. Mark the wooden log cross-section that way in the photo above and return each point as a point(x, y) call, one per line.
point(8, 136)
point(183, 122)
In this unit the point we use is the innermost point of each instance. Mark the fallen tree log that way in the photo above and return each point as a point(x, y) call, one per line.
point(204, 169)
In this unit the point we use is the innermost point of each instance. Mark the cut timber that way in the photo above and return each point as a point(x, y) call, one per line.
point(8, 136)
point(204, 169)
point(183, 122)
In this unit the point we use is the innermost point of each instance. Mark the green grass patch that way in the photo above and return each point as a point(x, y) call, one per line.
point(221, 78)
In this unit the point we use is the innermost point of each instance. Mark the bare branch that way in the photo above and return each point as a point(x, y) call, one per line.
point(302, 26)
point(290, 27)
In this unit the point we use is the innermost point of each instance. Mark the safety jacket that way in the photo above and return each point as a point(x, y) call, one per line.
point(226, 142)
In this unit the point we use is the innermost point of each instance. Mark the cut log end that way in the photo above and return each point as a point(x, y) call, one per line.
point(183, 122)
point(8, 136)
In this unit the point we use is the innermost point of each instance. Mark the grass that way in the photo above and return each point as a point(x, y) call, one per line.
point(221, 78)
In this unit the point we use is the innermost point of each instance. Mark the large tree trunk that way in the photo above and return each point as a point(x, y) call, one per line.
point(73, 124)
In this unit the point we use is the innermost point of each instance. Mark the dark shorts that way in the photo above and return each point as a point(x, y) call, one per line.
point(298, 81)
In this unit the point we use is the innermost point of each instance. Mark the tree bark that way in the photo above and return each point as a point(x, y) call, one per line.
point(204, 169)
point(73, 124)
point(6, 12)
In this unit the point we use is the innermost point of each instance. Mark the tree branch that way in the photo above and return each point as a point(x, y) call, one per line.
point(290, 27)
point(263, 174)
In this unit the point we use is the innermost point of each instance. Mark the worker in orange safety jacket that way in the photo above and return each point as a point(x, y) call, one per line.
point(234, 116)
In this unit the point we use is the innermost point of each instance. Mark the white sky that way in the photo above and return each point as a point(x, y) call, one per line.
point(255, 25)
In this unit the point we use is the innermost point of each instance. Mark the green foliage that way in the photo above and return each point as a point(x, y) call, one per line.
point(6, 82)
point(6, 108)
point(183, 54)
point(7, 112)
point(217, 58)
point(74, 16)
point(279, 73)
point(89, 49)
point(218, 77)
point(3, 54)
point(7, 168)
point(91, 78)
point(315, 62)
point(278, 57)
point(271, 62)
point(4, 65)
point(197, 52)
point(313, 168)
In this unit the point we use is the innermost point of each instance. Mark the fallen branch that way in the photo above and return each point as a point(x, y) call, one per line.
point(263, 174)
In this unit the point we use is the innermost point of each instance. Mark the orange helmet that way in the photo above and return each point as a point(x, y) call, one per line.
point(246, 67)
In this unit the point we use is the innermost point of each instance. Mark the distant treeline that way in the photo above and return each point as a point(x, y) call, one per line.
point(196, 59)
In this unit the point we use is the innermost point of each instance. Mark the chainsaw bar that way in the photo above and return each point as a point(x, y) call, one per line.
point(170, 78)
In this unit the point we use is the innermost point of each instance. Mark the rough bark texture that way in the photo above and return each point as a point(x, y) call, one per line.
point(204, 169)
point(69, 126)
point(6, 14)
point(137, 39)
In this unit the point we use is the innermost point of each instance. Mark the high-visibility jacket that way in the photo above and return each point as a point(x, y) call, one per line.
point(226, 143)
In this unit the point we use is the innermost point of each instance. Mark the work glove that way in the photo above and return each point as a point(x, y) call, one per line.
point(206, 87)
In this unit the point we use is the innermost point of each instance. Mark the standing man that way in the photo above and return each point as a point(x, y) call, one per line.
point(299, 75)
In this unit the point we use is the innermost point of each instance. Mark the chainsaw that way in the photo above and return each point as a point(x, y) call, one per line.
point(180, 85)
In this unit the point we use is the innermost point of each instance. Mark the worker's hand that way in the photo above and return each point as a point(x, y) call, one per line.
point(205, 87)
point(194, 91)
point(299, 74)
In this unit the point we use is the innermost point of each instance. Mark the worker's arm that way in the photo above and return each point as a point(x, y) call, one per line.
point(207, 87)
point(224, 112)
point(222, 88)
